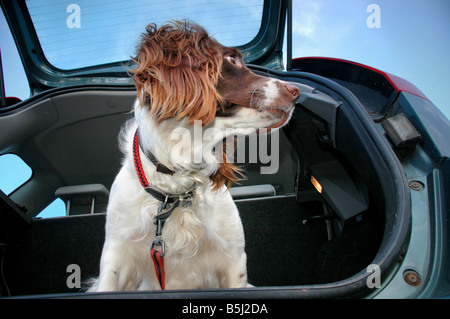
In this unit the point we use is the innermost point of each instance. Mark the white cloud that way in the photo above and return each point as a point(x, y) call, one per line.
point(328, 28)
point(307, 18)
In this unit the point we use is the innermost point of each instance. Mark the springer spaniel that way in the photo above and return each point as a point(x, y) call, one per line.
point(171, 222)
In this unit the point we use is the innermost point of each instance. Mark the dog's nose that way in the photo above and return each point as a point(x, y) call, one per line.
point(293, 90)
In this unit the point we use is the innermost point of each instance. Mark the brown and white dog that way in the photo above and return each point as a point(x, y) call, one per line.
point(184, 79)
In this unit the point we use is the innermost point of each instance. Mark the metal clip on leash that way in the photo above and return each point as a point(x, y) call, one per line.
point(158, 241)
point(159, 223)
point(158, 255)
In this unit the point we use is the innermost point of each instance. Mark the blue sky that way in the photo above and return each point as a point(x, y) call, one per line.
point(411, 40)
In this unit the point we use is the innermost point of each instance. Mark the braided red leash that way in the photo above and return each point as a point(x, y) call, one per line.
point(157, 256)
point(137, 161)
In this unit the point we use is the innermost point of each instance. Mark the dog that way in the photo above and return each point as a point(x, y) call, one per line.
point(171, 222)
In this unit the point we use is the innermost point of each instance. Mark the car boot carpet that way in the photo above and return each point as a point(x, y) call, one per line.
point(281, 249)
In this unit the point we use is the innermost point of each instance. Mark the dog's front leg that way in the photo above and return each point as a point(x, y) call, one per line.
point(235, 276)
point(118, 269)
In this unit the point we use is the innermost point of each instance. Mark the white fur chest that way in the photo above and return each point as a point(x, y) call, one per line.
point(198, 240)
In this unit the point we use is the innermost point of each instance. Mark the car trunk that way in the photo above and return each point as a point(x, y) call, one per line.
point(340, 201)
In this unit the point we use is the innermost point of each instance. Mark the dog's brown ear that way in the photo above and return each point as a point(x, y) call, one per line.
point(178, 67)
point(228, 173)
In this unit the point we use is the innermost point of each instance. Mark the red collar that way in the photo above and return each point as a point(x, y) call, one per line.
point(167, 199)
point(138, 164)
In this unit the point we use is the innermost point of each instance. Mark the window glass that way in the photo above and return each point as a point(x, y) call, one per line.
point(76, 34)
point(56, 209)
point(16, 83)
point(14, 172)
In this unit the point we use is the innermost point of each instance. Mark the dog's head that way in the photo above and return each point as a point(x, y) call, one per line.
point(182, 73)
point(178, 68)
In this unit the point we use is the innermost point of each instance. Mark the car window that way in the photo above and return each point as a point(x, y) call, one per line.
point(83, 33)
point(15, 80)
point(56, 209)
point(14, 172)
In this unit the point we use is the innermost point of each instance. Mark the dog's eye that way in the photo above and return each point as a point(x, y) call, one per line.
point(232, 59)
